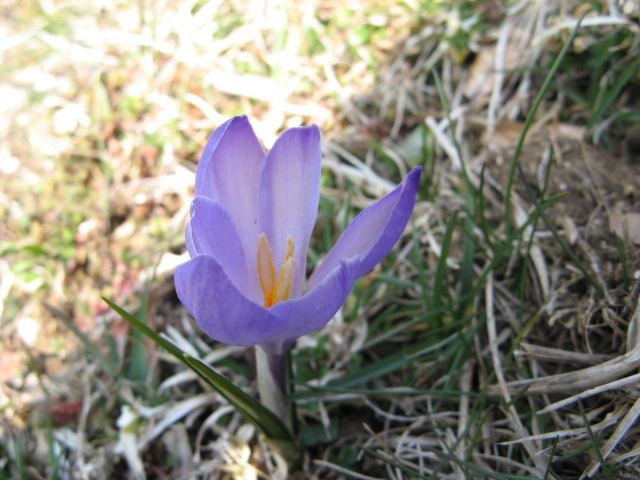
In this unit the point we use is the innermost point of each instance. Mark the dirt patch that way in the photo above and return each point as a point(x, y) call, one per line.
point(590, 197)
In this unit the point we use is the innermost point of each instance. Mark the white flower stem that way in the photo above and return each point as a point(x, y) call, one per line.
point(272, 384)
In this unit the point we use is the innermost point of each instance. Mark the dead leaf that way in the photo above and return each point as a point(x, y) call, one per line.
point(626, 225)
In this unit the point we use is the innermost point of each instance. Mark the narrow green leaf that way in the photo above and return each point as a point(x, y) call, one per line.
point(425, 349)
point(527, 123)
point(440, 281)
point(557, 235)
point(594, 443)
point(257, 413)
point(138, 369)
point(598, 132)
point(163, 342)
point(612, 94)
point(466, 267)
point(550, 460)
point(419, 319)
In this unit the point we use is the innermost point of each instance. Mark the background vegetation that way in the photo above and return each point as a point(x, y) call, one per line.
point(498, 340)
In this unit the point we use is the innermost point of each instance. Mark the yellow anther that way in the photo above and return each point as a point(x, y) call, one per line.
point(266, 270)
point(289, 253)
point(272, 290)
point(285, 281)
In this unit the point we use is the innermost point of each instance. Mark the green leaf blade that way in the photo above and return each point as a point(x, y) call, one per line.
point(253, 410)
point(260, 416)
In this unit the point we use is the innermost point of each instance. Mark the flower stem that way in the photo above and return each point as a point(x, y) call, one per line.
point(272, 383)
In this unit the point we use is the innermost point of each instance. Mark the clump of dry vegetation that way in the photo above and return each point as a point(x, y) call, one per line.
point(499, 340)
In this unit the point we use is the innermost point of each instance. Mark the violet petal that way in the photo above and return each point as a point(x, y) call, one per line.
point(229, 174)
point(315, 308)
point(213, 233)
point(372, 234)
point(289, 195)
point(220, 309)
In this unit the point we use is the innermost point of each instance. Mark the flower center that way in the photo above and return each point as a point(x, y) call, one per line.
point(274, 289)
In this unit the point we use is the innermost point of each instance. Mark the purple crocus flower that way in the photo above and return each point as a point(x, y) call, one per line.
point(251, 222)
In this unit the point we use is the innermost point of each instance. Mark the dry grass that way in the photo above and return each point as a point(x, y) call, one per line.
point(500, 338)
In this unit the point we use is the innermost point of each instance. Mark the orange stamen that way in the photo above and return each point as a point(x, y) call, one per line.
point(272, 290)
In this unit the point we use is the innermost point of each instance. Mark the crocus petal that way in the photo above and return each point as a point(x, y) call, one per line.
point(289, 195)
point(315, 308)
point(188, 239)
point(229, 174)
point(374, 231)
point(220, 309)
point(241, 193)
point(211, 231)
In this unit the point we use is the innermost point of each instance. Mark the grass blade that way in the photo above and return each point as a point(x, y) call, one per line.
point(613, 93)
point(594, 443)
point(527, 123)
point(440, 281)
point(556, 235)
point(138, 371)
